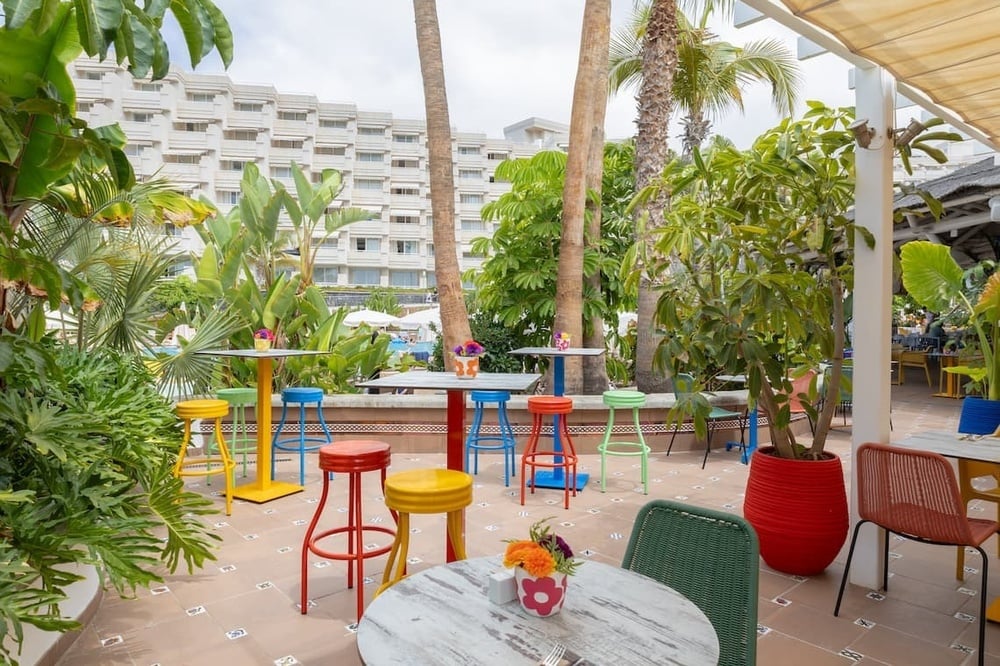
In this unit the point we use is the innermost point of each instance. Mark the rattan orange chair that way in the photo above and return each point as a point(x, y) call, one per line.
point(915, 494)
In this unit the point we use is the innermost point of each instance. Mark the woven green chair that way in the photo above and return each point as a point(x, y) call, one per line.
point(710, 557)
point(684, 384)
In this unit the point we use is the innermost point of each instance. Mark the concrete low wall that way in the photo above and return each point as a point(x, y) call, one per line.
point(418, 423)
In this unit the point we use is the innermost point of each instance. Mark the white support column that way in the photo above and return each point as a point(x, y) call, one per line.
point(875, 92)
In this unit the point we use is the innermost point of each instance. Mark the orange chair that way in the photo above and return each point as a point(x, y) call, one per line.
point(915, 494)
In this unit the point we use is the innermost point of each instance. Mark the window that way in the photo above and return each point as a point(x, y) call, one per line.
point(405, 138)
point(470, 174)
point(191, 127)
point(281, 172)
point(371, 157)
point(468, 150)
point(229, 197)
point(139, 117)
point(330, 150)
point(147, 87)
point(181, 159)
point(91, 76)
point(240, 135)
point(366, 244)
point(497, 156)
point(472, 225)
point(84, 107)
point(364, 276)
point(251, 107)
point(292, 115)
point(326, 274)
point(405, 247)
point(406, 190)
point(406, 164)
point(371, 131)
point(404, 219)
point(470, 198)
point(287, 143)
point(132, 150)
point(334, 123)
point(472, 255)
point(367, 184)
point(430, 249)
point(232, 165)
point(404, 278)
point(330, 243)
point(201, 97)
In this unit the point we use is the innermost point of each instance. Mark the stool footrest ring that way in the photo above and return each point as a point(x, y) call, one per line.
point(313, 548)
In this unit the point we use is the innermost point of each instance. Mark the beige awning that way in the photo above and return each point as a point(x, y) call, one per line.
point(947, 49)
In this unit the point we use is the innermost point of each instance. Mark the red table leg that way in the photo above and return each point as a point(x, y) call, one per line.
point(455, 449)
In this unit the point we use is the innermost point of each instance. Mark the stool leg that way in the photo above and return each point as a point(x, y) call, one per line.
point(185, 440)
point(302, 443)
point(307, 544)
point(471, 451)
point(529, 449)
point(322, 422)
point(228, 466)
point(241, 411)
point(277, 436)
point(455, 521)
point(569, 463)
point(644, 452)
point(509, 442)
point(400, 546)
point(356, 547)
point(603, 448)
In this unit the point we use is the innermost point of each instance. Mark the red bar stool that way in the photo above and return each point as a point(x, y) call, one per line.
point(539, 407)
point(352, 457)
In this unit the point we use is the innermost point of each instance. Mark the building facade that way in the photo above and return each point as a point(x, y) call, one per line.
point(200, 130)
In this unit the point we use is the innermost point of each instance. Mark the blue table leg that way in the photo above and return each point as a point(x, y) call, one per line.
point(554, 479)
point(752, 440)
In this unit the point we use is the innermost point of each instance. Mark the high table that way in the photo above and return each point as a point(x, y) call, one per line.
point(442, 617)
point(263, 489)
point(981, 448)
point(456, 388)
point(554, 478)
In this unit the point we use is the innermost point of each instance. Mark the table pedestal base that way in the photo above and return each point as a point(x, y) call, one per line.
point(251, 492)
point(548, 479)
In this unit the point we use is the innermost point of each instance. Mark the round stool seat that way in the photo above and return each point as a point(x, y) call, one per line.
point(237, 396)
point(302, 394)
point(624, 398)
point(202, 409)
point(428, 491)
point(549, 404)
point(358, 455)
point(490, 396)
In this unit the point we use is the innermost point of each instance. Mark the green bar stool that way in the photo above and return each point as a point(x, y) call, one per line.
point(625, 400)
point(241, 442)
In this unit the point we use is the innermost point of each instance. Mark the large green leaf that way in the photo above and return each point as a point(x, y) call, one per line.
point(931, 275)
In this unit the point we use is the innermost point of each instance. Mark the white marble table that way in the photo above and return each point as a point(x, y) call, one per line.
point(441, 616)
point(951, 444)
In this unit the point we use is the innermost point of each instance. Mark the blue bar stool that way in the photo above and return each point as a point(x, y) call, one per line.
point(505, 441)
point(301, 395)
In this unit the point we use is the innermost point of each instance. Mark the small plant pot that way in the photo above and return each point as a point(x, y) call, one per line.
point(261, 344)
point(466, 367)
point(541, 597)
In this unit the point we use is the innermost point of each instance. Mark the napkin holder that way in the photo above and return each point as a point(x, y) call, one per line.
point(502, 588)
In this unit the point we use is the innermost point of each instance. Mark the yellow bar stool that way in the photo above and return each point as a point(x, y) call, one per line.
point(425, 491)
point(190, 411)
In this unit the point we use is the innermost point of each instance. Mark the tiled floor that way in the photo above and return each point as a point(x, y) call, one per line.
point(243, 608)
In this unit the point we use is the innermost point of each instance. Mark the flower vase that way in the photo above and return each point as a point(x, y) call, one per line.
point(541, 597)
point(466, 367)
point(261, 344)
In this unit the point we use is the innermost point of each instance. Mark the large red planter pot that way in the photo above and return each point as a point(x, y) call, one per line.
point(799, 510)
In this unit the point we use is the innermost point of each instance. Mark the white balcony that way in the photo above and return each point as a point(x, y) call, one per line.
point(189, 111)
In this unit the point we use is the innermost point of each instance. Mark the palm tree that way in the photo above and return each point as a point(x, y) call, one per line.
point(454, 316)
point(711, 74)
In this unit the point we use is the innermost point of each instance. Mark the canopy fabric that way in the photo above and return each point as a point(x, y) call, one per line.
point(420, 318)
point(370, 317)
point(949, 51)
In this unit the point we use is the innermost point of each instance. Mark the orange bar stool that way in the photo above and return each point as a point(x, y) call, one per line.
point(351, 457)
point(540, 407)
point(190, 411)
point(425, 491)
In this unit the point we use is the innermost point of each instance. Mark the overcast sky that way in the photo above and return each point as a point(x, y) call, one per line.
point(504, 61)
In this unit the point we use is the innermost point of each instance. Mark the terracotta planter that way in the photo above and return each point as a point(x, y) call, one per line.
point(799, 510)
point(466, 367)
point(541, 597)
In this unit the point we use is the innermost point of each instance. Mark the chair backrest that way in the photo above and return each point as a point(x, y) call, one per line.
point(911, 492)
point(710, 557)
point(683, 383)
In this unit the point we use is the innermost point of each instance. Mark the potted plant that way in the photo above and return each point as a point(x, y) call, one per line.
point(756, 273)
point(541, 563)
point(936, 281)
point(467, 359)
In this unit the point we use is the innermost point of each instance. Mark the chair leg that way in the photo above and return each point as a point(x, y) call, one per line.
point(847, 566)
point(982, 605)
point(672, 436)
point(885, 561)
point(708, 445)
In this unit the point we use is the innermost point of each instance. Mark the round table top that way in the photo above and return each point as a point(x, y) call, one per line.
point(443, 616)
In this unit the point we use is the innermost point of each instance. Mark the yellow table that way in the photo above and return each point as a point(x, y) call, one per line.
point(263, 489)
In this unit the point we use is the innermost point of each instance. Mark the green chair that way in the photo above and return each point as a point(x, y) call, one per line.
point(625, 400)
point(684, 385)
point(241, 442)
point(710, 557)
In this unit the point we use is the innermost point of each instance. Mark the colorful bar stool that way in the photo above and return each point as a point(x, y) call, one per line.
point(539, 407)
point(240, 441)
point(351, 457)
point(190, 411)
point(302, 396)
point(425, 491)
point(474, 442)
point(625, 400)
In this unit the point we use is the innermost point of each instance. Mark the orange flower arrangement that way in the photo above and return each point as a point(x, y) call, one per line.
point(541, 554)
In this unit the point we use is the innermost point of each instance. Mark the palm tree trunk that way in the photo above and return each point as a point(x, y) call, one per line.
point(454, 316)
point(659, 61)
point(589, 90)
point(595, 368)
